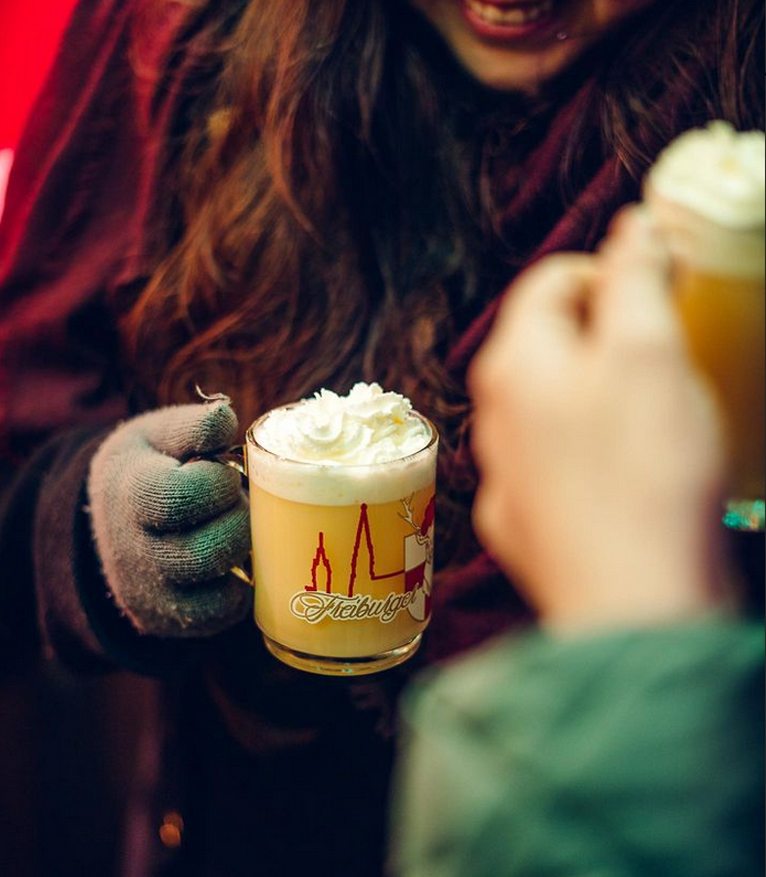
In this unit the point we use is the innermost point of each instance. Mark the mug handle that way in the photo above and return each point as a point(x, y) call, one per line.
point(236, 458)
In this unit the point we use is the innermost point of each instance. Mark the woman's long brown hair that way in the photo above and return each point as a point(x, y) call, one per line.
point(327, 214)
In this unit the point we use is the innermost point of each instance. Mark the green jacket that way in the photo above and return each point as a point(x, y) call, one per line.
point(634, 754)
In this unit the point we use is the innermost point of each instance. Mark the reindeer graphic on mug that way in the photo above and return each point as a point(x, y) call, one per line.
point(419, 558)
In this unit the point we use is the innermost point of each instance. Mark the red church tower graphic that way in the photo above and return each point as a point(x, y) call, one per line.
point(417, 556)
point(321, 559)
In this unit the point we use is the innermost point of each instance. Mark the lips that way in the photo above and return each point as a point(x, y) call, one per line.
point(509, 21)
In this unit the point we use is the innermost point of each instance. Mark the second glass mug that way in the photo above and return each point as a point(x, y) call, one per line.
point(723, 317)
point(342, 556)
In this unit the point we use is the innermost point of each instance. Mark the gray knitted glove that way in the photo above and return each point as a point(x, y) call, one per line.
point(168, 526)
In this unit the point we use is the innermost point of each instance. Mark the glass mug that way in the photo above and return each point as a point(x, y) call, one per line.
point(720, 291)
point(723, 316)
point(342, 556)
point(706, 194)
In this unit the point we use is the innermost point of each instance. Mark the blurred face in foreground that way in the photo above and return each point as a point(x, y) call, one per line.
point(519, 45)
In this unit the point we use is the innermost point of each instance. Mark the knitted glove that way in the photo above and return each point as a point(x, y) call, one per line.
point(167, 526)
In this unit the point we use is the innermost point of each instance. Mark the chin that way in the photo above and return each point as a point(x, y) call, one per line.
point(522, 45)
point(524, 74)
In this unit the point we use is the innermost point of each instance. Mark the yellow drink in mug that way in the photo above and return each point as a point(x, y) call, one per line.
point(707, 194)
point(342, 494)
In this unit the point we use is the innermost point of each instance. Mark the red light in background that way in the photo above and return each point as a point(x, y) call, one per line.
point(29, 34)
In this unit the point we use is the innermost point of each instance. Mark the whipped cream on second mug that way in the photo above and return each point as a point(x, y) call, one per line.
point(707, 193)
point(368, 427)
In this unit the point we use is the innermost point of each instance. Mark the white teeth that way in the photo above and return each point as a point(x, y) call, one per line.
point(517, 15)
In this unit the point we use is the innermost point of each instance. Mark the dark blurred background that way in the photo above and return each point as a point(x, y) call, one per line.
point(69, 754)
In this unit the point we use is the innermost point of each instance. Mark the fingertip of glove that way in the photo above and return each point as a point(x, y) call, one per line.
point(182, 431)
point(217, 427)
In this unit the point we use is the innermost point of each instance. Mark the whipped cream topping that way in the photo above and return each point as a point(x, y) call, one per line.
point(368, 426)
point(369, 446)
point(716, 171)
point(707, 192)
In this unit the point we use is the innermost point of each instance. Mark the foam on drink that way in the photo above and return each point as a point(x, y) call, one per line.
point(339, 450)
point(707, 192)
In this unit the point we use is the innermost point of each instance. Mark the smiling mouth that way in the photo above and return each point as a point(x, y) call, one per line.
point(517, 16)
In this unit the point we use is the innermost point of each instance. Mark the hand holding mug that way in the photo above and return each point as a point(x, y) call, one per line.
point(600, 449)
point(169, 525)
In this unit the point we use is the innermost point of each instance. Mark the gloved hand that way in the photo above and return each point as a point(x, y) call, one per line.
point(168, 526)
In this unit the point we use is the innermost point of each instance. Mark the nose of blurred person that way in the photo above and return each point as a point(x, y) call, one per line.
point(519, 45)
